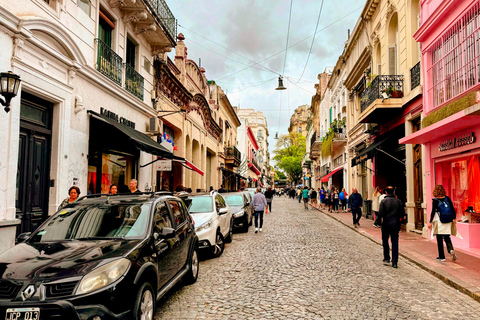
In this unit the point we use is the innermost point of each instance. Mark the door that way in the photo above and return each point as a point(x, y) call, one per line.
point(183, 232)
point(417, 183)
point(166, 259)
point(224, 218)
point(32, 188)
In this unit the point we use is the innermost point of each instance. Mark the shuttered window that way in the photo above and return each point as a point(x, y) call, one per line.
point(392, 60)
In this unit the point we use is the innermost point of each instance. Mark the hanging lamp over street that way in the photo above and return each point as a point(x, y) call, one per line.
point(276, 135)
point(280, 84)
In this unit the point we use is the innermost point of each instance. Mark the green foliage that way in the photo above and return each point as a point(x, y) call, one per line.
point(289, 153)
point(449, 109)
point(389, 91)
point(327, 144)
point(280, 175)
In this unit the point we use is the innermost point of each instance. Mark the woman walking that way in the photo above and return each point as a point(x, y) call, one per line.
point(269, 196)
point(336, 199)
point(443, 206)
point(321, 191)
point(343, 199)
point(377, 222)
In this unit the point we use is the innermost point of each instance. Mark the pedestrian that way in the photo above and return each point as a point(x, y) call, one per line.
point(313, 198)
point(211, 189)
point(259, 203)
point(391, 211)
point(355, 203)
point(222, 189)
point(336, 199)
point(327, 198)
point(179, 188)
point(73, 193)
point(113, 189)
point(442, 222)
point(321, 192)
point(269, 196)
point(332, 197)
point(376, 206)
point(305, 197)
point(343, 199)
point(189, 190)
point(299, 195)
point(133, 186)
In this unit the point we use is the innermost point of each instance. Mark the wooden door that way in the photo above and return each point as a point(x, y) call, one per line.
point(418, 186)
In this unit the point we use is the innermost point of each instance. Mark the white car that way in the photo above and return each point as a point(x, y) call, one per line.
point(213, 220)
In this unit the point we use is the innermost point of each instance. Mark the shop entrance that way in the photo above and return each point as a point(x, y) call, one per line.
point(31, 199)
point(418, 186)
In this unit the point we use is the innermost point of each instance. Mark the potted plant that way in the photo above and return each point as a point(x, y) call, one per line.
point(393, 92)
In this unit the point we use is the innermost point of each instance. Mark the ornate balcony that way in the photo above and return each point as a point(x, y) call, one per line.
point(339, 161)
point(133, 82)
point(376, 108)
point(415, 76)
point(232, 156)
point(108, 62)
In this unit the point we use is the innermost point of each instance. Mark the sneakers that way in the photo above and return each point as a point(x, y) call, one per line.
point(394, 265)
point(256, 230)
point(355, 225)
point(453, 255)
point(439, 259)
point(386, 261)
point(376, 226)
point(260, 229)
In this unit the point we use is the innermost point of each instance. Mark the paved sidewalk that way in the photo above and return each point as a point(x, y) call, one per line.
point(463, 274)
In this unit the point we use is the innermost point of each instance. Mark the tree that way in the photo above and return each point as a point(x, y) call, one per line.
point(280, 175)
point(289, 153)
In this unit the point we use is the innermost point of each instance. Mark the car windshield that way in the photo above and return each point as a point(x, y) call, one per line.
point(199, 204)
point(95, 222)
point(233, 199)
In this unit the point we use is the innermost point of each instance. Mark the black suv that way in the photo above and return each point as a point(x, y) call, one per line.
point(101, 257)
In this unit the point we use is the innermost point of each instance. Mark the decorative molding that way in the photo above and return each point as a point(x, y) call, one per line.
point(120, 3)
point(135, 16)
point(142, 28)
point(391, 9)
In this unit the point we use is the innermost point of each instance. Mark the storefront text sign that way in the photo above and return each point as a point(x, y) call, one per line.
point(113, 116)
point(463, 140)
point(164, 165)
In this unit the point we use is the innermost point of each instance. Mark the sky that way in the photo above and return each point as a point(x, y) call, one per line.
point(244, 45)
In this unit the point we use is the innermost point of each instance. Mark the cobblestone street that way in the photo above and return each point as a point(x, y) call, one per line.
point(305, 265)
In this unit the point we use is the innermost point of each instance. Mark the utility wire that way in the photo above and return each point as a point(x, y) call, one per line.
point(288, 36)
point(242, 89)
point(313, 41)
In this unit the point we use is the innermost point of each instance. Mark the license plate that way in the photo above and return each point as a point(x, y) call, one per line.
point(23, 314)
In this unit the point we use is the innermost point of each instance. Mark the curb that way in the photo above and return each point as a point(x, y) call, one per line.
point(457, 284)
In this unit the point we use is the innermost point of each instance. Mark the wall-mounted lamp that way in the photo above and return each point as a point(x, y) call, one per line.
point(9, 84)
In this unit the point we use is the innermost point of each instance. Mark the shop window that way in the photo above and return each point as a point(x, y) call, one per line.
point(113, 170)
point(461, 180)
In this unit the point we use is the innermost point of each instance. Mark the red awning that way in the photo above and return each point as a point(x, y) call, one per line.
point(193, 167)
point(254, 169)
point(325, 178)
point(261, 185)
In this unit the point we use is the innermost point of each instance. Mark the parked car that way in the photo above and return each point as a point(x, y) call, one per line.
point(213, 220)
point(251, 191)
point(241, 209)
point(101, 257)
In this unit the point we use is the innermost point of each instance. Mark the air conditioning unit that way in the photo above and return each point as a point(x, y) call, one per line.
point(154, 127)
point(371, 128)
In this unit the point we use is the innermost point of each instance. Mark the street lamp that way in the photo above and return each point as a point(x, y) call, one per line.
point(9, 84)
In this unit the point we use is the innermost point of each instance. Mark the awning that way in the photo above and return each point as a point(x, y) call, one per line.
point(234, 173)
point(193, 167)
point(325, 178)
point(368, 152)
point(140, 140)
point(254, 169)
point(261, 185)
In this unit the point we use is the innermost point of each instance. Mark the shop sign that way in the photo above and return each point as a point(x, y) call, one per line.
point(113, 116)
point(164, 165)
point(463, 140)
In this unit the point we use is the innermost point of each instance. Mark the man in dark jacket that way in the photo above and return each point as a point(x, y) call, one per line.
point(391, 211)
point(355, 203)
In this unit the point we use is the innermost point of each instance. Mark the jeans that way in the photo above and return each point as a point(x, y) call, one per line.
point(356, 214)
point(335, 205)
point(299, 198)
point(378, 220)
point(392, 233)
point(344, 204)
point(448, 242)
point(269, 205)
point(258, 213)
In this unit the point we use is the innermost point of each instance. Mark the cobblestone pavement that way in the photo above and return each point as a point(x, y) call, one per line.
point(305, 265)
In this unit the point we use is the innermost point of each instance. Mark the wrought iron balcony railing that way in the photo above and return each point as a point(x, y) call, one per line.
point(165, 16)
point(133, 81)
point(233, 151)
point(108, 62)
point(415, 76)
point(313, 139)
point(392, 85)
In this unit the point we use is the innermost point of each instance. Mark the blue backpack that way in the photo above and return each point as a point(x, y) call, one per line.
point(446, 211)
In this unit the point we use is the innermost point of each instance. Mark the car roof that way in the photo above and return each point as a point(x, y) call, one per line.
point(142, 197)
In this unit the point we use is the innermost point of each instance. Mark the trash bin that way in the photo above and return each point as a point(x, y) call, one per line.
point(367, 209)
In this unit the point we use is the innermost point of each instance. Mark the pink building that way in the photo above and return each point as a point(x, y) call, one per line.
point(450, 42)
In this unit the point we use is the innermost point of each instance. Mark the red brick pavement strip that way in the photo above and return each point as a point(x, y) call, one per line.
point(463, 274)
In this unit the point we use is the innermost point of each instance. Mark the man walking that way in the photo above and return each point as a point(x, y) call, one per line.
point(355, 203)
point(259, 203)
point(313, 198)
point(391, 211)
point(305, 197)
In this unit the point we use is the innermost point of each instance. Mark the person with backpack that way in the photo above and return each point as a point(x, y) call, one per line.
point(391, 211)
point(442, 222)
point(343, 199)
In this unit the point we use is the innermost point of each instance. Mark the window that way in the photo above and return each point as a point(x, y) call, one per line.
point(146, 65)
point(105, 28)
point(131, 53)
point(84, 5)
point(162, 217)
point(299, 129)
point(177, 212)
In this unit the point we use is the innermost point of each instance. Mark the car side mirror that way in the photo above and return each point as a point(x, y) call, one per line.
point(223, 211)
point(22, 237)
point(167, 233)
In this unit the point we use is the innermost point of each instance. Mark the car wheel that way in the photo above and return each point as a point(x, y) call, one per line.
point(219, 245)
point(230, 233)
point(144, 307)
point(192, 274)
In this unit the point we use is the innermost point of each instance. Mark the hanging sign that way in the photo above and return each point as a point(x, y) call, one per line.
point(164, 165)
point(463, 140)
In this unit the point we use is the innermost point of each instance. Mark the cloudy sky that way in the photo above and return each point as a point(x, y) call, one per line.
point(242, 46)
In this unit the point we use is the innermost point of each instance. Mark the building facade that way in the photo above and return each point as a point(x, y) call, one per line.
point(299, 119)
point(451, 102)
